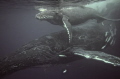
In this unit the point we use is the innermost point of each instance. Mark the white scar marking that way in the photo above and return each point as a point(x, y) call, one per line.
point(65, 71)
point(103, 47)
point(106, 33)
point(67, 30)
point(62, 56)
point(42, 9)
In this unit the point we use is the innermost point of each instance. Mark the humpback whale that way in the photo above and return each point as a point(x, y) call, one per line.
point(89, 40)
point(68, 15)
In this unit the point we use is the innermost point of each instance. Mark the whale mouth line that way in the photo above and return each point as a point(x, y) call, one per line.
point(41, 17)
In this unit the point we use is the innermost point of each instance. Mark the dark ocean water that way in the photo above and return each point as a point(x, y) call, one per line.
point(18, 26)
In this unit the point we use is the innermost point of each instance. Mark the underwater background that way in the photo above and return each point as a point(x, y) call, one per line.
point(18, 26)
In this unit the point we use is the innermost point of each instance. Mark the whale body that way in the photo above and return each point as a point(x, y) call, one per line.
point(89, 40)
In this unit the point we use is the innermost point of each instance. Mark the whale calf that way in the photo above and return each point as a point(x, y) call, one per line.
point(68, 15)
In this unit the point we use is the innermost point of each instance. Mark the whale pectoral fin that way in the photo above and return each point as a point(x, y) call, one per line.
point(97, 55)
point(68, 27)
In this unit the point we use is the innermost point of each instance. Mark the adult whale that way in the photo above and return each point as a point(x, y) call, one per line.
point(69, 14)
point(88, 41)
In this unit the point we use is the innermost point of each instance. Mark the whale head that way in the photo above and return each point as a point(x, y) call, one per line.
point(45, 15)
